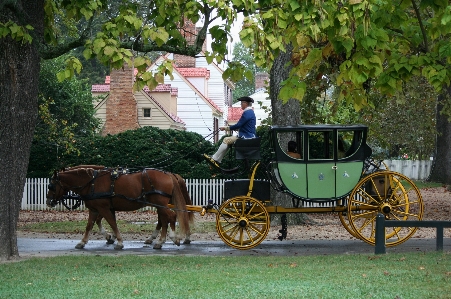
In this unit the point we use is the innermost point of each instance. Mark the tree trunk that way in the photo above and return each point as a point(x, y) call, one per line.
point(441, 170)
point(19, 73)
point(283, 114)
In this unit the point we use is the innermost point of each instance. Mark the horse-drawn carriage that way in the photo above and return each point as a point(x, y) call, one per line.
point(332, 171)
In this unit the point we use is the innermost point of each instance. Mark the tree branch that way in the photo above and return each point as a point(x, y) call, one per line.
point(423, 31)
point(50, 52)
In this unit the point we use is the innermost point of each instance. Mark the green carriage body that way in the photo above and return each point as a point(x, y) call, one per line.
point(321, 173)
point(328, 169)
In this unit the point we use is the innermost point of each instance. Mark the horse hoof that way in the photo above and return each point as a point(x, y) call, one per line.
point(118, 247)
point(186, 242)
point(80, 246)
point(157, 246)
point(110, 241)
point(148, 241)
point(177, 242)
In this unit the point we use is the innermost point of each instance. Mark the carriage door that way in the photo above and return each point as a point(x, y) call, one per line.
point(320, 165)
point(348, 166)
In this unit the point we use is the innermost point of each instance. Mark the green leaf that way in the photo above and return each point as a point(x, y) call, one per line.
point(98, 45)
point(108, 50)
point(445, 50)
point(294, 5)
point(86, 13)
point(348, 44)
point(362, 61)
point(140, 61)
point(368, 42)
point(61, 76)
point(282, 24)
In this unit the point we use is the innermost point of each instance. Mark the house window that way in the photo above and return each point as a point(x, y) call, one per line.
point(146, 112)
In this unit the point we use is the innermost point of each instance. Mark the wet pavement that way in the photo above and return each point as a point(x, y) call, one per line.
point(57, 247)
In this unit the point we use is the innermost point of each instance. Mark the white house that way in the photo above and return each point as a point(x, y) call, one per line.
point(203, 96)
point(261, 106)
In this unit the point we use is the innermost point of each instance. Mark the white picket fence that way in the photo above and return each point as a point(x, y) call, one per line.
point(202, 190)
point(413, 169)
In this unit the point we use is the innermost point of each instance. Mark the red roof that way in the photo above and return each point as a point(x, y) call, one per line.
point(100, 88)
point(234, 114)
point(164, 88)
point(194, 72)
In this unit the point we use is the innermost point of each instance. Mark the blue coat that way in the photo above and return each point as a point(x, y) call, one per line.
point(246, 125)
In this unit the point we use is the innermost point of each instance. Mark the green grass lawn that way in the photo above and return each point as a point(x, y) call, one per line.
point(412, 275)
point(408, 275)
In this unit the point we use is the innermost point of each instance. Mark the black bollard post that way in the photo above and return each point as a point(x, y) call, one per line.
point(380, 234)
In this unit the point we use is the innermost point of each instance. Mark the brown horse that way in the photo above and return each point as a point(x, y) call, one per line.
point(172, 219)
point(110, 238)
point(105, 191)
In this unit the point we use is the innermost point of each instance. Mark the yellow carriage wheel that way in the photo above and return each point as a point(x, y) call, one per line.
point(345, 222)
point(344, 218)
point(391, 194)
point(242, 222)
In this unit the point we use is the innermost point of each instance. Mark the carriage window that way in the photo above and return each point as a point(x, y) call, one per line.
point(320, 145)
point(348, 143)
point(291, 143)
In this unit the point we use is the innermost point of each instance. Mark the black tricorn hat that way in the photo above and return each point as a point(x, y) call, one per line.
point(246, 99)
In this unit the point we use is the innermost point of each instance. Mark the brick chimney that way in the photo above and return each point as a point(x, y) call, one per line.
point(260, 79)
point(121, 106)
point(189, 31)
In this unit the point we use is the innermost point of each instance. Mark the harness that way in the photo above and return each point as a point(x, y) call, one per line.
point(115, 174)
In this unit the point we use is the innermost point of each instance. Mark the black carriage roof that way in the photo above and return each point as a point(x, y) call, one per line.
point(319, 127)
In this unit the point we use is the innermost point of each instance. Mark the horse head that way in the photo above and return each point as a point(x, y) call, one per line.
point(55, 191)
point(70, 184)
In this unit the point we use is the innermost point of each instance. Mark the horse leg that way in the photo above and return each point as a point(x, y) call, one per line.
point(110, 217)
point(163, 217)
point(154, 233)
point(187, 237)
point(91, 217)
point(110, 239)
point(172, 218)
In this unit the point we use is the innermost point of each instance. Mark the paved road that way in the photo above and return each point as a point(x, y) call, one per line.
point(57, 247)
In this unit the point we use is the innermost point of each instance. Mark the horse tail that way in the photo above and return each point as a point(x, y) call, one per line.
point(180, 207)
point(184, 190)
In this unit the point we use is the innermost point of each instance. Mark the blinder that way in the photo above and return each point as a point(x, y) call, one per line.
point(51, 187)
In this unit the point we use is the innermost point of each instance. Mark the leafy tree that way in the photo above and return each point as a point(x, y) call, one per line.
point(245, 86)
point(66, 113)
point(358, 45)
point(115, 32)
point(405, 123)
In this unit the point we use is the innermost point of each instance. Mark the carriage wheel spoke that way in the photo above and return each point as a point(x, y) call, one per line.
point(250, 222)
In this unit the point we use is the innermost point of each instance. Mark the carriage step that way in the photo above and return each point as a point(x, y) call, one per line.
point(216, 165)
